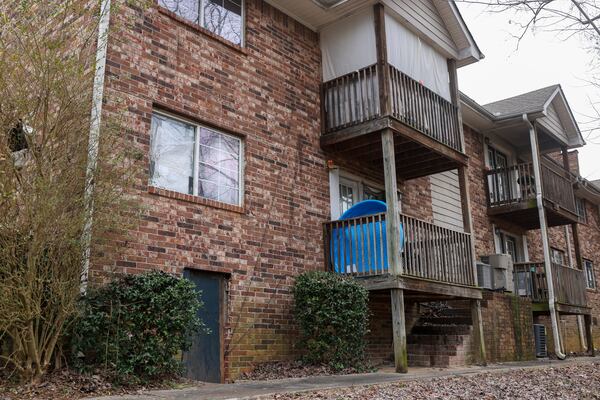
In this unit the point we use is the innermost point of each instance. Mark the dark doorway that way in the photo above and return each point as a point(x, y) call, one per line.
point(204, 360)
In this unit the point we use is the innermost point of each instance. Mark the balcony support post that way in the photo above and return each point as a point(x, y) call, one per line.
point(589, 338)
point(383, 71)
point(399, 331)
point(392, 226)
point(537, 173)
point(455, 97)
point(463, 181)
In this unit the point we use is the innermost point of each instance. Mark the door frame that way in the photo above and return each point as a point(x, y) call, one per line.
point(223, 307)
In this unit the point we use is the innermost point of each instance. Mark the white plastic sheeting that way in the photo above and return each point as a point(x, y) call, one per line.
point(348, 45)
point(411, 55)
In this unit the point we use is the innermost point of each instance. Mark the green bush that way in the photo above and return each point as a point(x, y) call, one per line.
point(332, 312)
point(132, 328)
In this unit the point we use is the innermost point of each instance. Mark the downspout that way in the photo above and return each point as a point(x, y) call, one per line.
point(94, 138)
point(537, 171)
point(580, 322)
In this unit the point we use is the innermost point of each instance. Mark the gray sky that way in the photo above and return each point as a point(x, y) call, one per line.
point(541, 59)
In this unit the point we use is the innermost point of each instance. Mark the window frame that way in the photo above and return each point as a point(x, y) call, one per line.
point(196, 157)
point(588, 263)
point(200, 23)
point(563, 254)
point(581, 206)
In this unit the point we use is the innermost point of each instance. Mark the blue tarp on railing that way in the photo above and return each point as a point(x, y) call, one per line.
point(351, 245)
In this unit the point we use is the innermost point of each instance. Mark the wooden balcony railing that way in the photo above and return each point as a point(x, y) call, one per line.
point(355, 98)
point(516, 184)
point(358, 247)
point(424, 110)
point(569, 283)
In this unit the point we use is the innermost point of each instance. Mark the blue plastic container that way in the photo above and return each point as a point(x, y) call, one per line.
point(350, 246)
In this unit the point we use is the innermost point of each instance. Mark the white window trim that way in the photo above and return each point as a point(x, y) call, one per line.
point(196, 165)
point(585, 262)
point(521, 242)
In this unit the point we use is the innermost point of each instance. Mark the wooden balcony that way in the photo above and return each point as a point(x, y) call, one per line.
point(428, 135)
point(511, 195)
point(436, 262)
point(569, 287)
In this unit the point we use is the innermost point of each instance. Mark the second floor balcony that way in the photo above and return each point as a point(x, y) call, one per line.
point(569, 287)
point(512, 195)
point(427, 126)
point(354, 99)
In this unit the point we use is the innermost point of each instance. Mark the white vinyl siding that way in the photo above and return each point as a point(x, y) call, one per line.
point(446, 201)
point(552, 123)
point(424, 16)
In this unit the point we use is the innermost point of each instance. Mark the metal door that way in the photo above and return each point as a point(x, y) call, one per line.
point(204, 360)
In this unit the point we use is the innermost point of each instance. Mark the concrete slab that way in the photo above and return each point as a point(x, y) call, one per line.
point(243, 390)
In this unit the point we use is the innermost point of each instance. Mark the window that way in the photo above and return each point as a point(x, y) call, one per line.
point(221, 17)
point(510, 245)
point(348, 194)
point(580, 205)
point(193, 159)
point(590, 279)
point(17, 137)
point(557, 256)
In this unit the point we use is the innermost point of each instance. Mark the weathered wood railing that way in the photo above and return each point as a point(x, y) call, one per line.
point(350, 99)
point(423, 109)
point(355, 98)
point(510, 184)
point(358, 247)
point(557, 186)
point(516, 183)
point(569, 283)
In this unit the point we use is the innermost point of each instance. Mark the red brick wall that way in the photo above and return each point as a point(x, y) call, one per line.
point(508, 327)
point(482, 225)
point(268, 93)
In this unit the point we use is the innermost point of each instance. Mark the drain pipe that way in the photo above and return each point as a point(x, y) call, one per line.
point(94, 138)
point(537, 171)
point(580, 322)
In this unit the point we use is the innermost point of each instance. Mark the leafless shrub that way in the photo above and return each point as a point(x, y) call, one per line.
point(47, 67)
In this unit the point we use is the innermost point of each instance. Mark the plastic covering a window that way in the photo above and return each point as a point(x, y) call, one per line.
point(411, 55)
point(348, 45)
point(172, 154)
point(222, 17)
point(219, 167)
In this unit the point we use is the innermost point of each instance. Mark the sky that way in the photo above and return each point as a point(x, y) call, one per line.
point(540, 59)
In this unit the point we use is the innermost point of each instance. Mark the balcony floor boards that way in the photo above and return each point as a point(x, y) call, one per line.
point(525, 214)
point(420, 289)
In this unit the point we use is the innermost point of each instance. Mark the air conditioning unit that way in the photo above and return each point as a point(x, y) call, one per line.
point(485, 278)
point(539, 334)
point(502, 271)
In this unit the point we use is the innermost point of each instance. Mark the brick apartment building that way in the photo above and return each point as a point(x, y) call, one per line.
point(262, 122)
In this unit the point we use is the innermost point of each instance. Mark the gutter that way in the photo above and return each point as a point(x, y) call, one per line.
point(94, 138)
point(544, 230)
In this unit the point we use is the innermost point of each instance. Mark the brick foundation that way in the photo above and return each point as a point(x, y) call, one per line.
point(508, 327)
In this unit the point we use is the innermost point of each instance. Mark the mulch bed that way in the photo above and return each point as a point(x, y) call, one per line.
point(295, 369)
point(66, 384)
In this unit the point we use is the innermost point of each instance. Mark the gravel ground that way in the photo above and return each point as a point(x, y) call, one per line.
point(568, 382)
